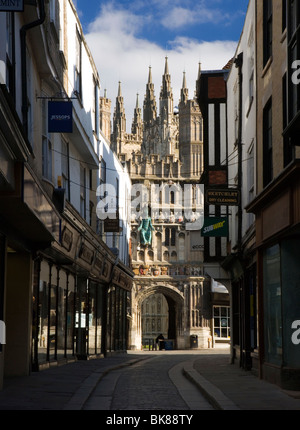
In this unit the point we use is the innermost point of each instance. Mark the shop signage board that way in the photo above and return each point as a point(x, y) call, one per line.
point(222, 197)
point(11, 5)
point(60, 117)
point(112, 225)
point(215, 227)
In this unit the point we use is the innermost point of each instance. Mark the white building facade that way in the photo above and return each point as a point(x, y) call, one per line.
point(57, 274)
point(241, 119)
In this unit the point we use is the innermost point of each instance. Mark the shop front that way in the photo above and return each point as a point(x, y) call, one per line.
point(278, 271)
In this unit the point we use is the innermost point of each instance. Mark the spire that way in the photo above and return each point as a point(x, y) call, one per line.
point(184, 90)
point(150, 75)
point(184, 80)
point(198, 84)
point(166, 67)
point(149, 102)
point(137, 126)
point(119, 119)
point(166, 96)
point(199, 71)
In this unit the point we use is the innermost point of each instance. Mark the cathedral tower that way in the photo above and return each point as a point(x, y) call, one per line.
point(190, 134)
point(168, 156)
point(105, 116)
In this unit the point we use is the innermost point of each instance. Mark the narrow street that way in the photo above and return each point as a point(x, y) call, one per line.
point(157, 383)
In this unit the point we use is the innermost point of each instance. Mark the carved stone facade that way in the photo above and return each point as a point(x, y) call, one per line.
point(166, 150)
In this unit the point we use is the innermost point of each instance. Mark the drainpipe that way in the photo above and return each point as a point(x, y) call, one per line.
point(239, 64)
point(245, 354)
point(23, 33)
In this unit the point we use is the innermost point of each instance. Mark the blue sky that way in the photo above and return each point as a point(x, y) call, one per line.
point(126, 38)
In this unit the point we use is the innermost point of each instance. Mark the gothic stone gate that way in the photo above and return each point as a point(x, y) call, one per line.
point(189, 311)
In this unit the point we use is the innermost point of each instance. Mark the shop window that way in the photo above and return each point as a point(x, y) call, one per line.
point(70, 315)
point(92, 318)
point(222, 322)
point(272, 305)
point(61, 314)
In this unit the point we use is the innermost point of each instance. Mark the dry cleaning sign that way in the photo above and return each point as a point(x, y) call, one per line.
point(215, 227)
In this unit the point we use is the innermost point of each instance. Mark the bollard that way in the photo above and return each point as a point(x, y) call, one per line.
point(209, 341)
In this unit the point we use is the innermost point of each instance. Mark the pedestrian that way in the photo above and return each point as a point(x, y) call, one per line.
point(160, 339)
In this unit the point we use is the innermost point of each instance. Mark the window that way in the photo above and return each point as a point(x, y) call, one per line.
point(78, 77)
point(102, 172)
point(46, 144)
point(82, 192)
point(10, 54)
point(47, 159)
point(65, 168)
point(283, 15)
point(173, 237)
point(289, 149)
point(250, 171)
point(251, 90)
point(55, 17)
point(293, 57)
point(96, 107)
point(222, 322)
point(167, 237)
point(267, 145)
point(268, 29)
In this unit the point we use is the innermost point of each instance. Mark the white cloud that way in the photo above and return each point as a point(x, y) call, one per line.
point(120, 55)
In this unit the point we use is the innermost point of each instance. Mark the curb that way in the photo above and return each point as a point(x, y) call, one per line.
point(81, 396)
point(213, 394)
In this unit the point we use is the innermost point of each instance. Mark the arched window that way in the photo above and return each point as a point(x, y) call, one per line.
point(173, 237)
point(167, 237)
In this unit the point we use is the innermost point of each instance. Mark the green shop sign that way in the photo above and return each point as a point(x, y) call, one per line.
point(215, 227)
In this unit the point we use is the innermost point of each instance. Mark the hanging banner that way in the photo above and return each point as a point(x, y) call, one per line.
point(60, 117)
point(11, 5)
point(215, 227)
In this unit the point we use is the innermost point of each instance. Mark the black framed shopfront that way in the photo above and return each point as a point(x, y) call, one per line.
point(74, 317)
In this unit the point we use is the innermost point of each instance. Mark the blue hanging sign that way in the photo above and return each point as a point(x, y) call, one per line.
point(60, 117)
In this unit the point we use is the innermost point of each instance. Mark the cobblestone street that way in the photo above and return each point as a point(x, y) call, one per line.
point(154, 384)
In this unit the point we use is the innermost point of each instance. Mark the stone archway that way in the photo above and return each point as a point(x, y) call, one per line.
point(175, 301)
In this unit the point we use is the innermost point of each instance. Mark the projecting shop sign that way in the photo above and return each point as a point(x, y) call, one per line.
point(218, 197)
point(215, 227)
point(60, 117)
point(11, 5)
